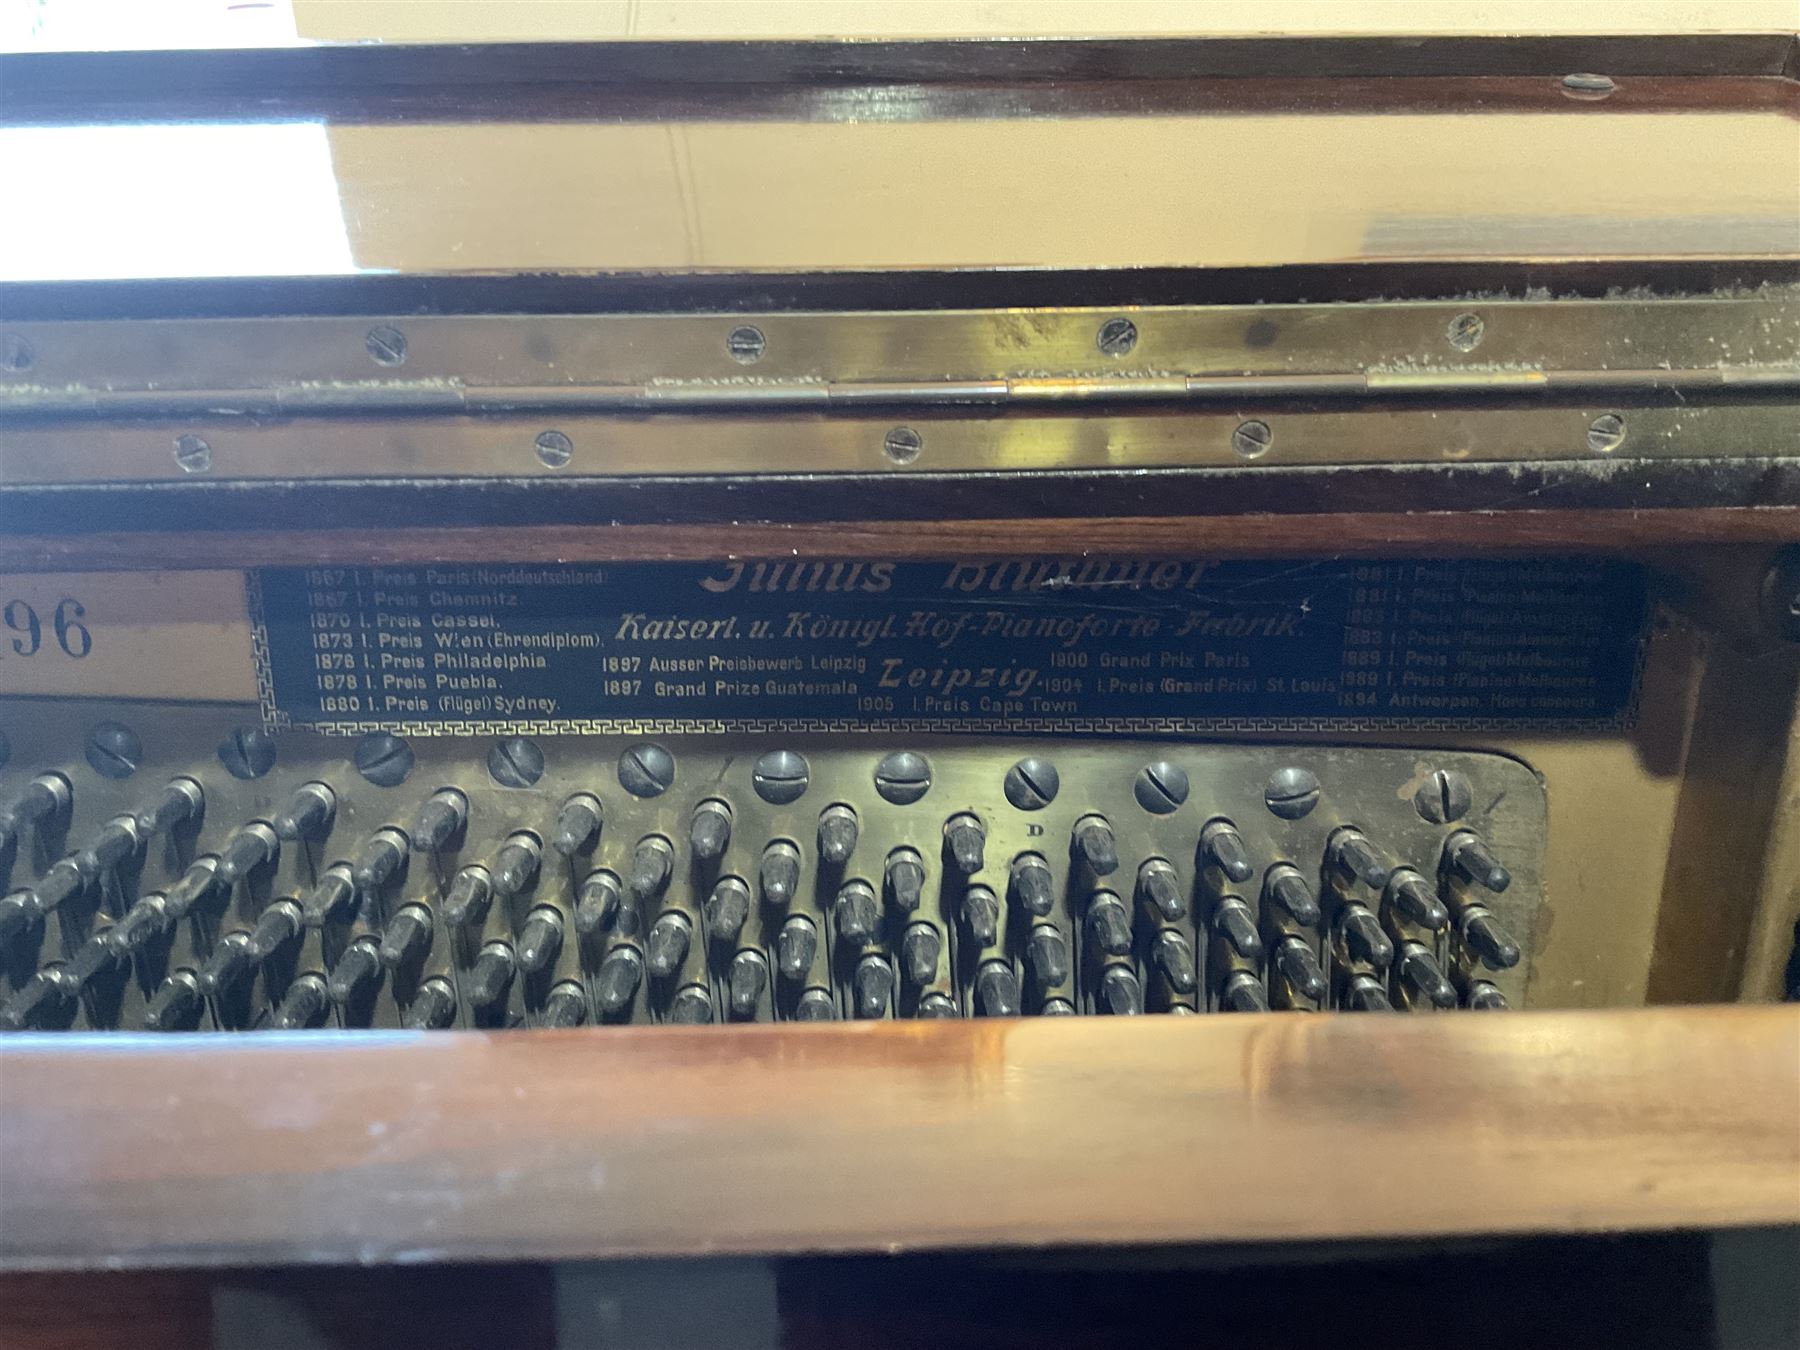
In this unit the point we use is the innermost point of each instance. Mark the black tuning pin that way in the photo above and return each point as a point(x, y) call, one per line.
point(1351, 852)
point(1487, 937)
point(1159, 888)
point(471, 892)
point(838, 829)
point(1469, 855)
point(1484, 997)
point(1287, 890)
point(1093, 845)
point(597, 901)
point(1033, 888)
point(433, 1007)
point(277, 926)
point(871, 985)
point(541, 939)
point(1294, 961)
point(177, 1004)
point(406, 939)
point(795, 947)
point(145, 922)
point(515, 863)
point(1242, 992)
point(304, 1004)
point(378, 860)
point(180, 801)
point(726, 910)
point(44, 799)
point(651, 863)
point(46, 1001)
point(905, 878)
point(997, 990)
point(62, 883)
point(691, 1006)
point(356, 973)
point(250, 846)
point(1360, 932)
point(1421, 978)
point(1121, 993)
point(936, 1005)
point(307, 814)
point(745, 981)
point(117, 841)
point(1174, 957)
point(1109, 924)
point(921, 948)
point(666, 946)
point(1234, 921)
point(332, 899)
point(1223, 847)
point(981, 915)
point(709, 831)
point(855, 913)
point(197, 886)
point(1047, 956)
point(965, 841)
point(440, 820)
point(491, 975)
point(230, 961)
point(565, 1006)
point(97, 956)
point(621, 972)
point(815, 1005)
point(18, 910)
point(778, 876)
point(1415, 900)
point(577, 829)
point(1057, 1007)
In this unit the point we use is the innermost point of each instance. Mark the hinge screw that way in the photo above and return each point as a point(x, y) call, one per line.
point(387, 345)
point(1606, 433)
point(1117, 336)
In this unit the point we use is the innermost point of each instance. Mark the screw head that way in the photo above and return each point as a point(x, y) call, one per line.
point(554, 449)
point(1252, 439)
point(1117, 337)
point(1160, 787)
point(780, 777)
point(746, 344)
point(383, 758)
point(903, 777)
point(1606, 433)
point(248, 752)
point(114, 750)
point(1444, 796)
point(902, 445)
point(646, 770)
point(193, 454)
point(1465, 332)
point(1585, 85)
point(16, 353)
point(387, 345)
point(1291, 792)
point(1032, 784)
point(515, 762)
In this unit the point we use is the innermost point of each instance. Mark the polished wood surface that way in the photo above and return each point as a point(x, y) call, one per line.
point(898, 1136)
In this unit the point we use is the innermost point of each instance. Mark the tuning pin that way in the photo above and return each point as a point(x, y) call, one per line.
point(981, 914)
point(1351, 851)
point(577, 829)
point(541, 939)
point(63, 882)
point(997, 989)
point(709, 832)
point(1234, 922)
point(95, 956)
point(921, 948)
point(440, 820)
point(1109, 924)
point(1157, 885)
point(18, 910)
point(229, 962)
point(565, 1005)
point(177, 1004)
point(1047, 956)
point(795, 946)
point(872, 983)
point(815, 1005)
point(1416, 900)
point(516, 863)
point(47, 1000)
point(433, 1007)
point(667, 945)
point(143, 923)
point(198, 884)
point(965, 839)
point(1057, 1007)
point(1421, 976)
point(378, 860)
point(855, 913)
point(597, 901)
point(1174, 957)
point(181, 800)
point(692, 1006)
point(1032, 885)
point(617, 983)
point(1120, 991)
point(1363, 938)
point(278, 925)
point(1094, 845)
point(1224, 849)
point(250, 846)
point(406, 938)
point(44, 798)
point(726, 910)
point(779, 875)
point(905, 876)
point(1470, 856)
point(117, 841)
point(308, 813)
point(332, 899)
point(304, 1005)
point(745, 981)
point(651, 862)
point(357, 971)
point(1484, 997)
point(837, 835)
point(491, 975)
point(935, 1005)
point(1484, 935)
point(1287, 890)
point(1243, 992)
point(1294, 961)
point(471, 892)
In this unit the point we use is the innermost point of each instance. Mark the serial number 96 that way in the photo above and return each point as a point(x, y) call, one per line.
point(27, 628)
